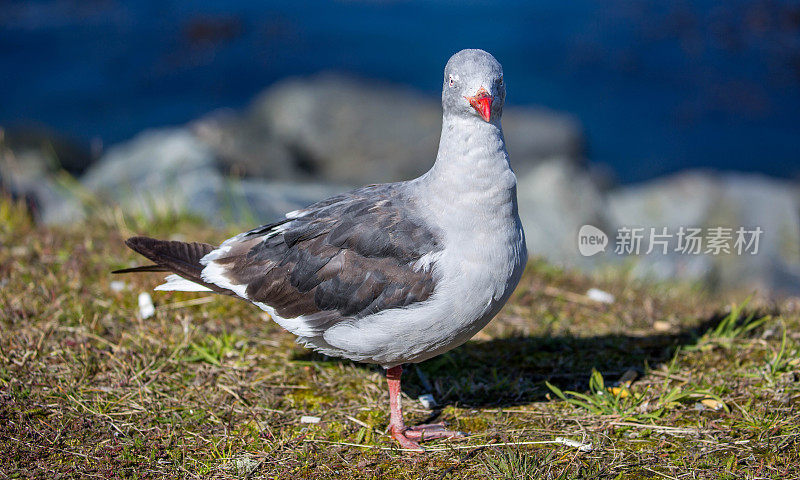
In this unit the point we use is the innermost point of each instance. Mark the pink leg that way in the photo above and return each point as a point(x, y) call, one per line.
point(409, 436)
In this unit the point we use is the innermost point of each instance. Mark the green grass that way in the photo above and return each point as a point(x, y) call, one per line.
point(625, 404)
point(670, 381)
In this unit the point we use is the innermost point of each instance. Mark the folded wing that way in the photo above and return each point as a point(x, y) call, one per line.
point(346, 257)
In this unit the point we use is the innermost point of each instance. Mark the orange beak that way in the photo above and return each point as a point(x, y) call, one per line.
point(482, 102)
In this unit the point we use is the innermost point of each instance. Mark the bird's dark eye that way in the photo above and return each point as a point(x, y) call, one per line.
point(451, 81)
point(500, 81)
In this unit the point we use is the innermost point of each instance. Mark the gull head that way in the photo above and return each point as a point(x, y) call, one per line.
point(473, 86)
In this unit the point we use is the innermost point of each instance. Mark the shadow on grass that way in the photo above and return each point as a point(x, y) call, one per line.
point(512, 371)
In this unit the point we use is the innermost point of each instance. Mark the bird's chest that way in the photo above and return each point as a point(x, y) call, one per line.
point(473, 201)
point(490, 260)
point(484, 260)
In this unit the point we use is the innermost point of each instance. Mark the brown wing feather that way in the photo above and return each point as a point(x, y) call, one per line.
point(350, 256)
point(142, 269)
point(172, 256)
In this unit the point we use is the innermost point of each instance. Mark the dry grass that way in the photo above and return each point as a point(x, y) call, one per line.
point(206, 388)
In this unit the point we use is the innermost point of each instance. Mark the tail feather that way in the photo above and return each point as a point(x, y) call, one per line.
point(171, 254)
point(143, 268)
point(180, 258)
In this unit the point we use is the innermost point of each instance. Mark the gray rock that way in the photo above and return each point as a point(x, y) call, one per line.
point(535, 135)
point(352, 131)
point(751, 200)
point(356, 131)
point(244, 147)
point(556, 198)
point(152, 162)
point(253, 202)
point(172, 170)
point(166, 170)
point(32, 175)
point(250, 202)
point(708, 200)
point(684, 199)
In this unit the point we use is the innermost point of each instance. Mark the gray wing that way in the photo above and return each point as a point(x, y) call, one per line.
point(345, 257)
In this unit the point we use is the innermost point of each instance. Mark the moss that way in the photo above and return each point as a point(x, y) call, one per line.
point(473, 424)
point(308, 399)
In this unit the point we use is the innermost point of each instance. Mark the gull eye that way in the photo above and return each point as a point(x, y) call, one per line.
point(500, 81)
point(451, 81)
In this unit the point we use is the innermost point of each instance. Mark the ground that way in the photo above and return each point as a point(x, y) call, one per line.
point(669, 381)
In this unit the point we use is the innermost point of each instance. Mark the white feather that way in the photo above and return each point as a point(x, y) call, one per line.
point(215, 273)
point(180, 284)
point(424, 263)
point(296, 213)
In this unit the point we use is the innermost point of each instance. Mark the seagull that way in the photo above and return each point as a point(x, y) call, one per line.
point(388, 274)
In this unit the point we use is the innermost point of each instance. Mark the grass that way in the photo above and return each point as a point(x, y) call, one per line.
point(669, 381)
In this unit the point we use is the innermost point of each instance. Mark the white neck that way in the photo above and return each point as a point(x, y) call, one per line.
point(472, 157)
point(471, 185)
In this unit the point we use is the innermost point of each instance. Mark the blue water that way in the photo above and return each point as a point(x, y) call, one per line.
point(659, 87)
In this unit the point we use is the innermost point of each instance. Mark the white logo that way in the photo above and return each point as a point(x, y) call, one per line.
point(591, 240)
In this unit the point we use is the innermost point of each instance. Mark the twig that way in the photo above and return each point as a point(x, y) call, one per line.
point(669, 376)
point(663, 428)
point(454, 447)
point(186, 303)
point(359, 422)
point(570, 296)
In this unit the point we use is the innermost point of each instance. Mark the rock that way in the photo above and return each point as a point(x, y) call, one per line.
point(707, 200)
point(244, 147)
point(355, 131)
point(265, 201)
point(172, 170)
point(159, 169)
point(752, 200)
point(534, 135)
point(684, 199)
point(31, 174)
point(352, 131)
point(153, 161)
point(555, 199)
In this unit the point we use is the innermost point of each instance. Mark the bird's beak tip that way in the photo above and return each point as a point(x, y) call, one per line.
point(482, 103)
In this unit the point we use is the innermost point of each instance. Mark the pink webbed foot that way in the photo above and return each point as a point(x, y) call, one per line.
point(410, 437)
point(405, 442)
point(433, 431)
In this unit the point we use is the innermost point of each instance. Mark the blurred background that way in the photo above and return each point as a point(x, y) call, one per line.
point(653, 114)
